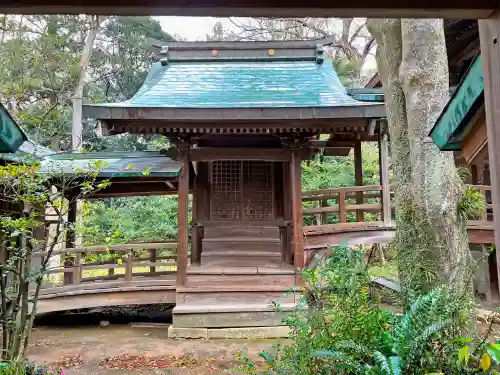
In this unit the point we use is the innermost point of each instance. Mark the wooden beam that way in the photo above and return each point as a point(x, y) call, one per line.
point(337, 151)
point(133, 189)
point(182, 215)
point(489, 32)
point(215, 153)
point(384, 178)
point(358, 176)
point(331, 143)
point(258, 8)
point(296, 195)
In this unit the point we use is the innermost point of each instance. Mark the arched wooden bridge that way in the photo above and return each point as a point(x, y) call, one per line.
point(151, 277)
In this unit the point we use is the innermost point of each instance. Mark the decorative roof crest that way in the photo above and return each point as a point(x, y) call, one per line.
point(164, 55)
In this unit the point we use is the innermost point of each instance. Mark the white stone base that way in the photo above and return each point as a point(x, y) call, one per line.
point(229, 333)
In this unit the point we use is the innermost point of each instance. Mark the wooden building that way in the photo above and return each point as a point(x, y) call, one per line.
point(487, 11)
point(242, 117)
point(461, 128)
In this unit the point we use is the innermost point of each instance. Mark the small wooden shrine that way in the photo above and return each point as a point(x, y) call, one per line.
point(242, 117)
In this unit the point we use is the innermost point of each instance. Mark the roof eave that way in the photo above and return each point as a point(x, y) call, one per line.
point(448, 130)
point(363, 110)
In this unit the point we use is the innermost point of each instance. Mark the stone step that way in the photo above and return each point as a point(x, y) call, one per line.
point(241, 231)
point(228, 319)
point(241, 244)
point(234, 295)
point(239, 258)
point(241, 307)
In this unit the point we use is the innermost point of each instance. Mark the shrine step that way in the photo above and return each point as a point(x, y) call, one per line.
point(241, 258)
point(241, 231)
point(277, 278)
point(242, 244)
point(235, 315)
point(227, 296)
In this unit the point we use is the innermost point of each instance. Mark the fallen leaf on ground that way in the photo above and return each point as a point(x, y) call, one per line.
point(135, 362)
point(68, 362)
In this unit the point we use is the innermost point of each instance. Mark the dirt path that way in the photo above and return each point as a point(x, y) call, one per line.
point(91, 351)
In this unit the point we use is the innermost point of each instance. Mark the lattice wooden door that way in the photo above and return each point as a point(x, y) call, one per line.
point(257, 194)
point(242, 191)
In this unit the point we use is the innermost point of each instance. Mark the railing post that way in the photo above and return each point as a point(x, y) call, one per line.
point(358, 171)
point(324, 215)
point(128, 266)
point(111, 271)
point(384, 178)
point(77, 270)
point(152, 259)
point(342, 217)
point(484, 215)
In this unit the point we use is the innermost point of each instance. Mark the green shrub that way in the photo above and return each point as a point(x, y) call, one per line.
point(27, 368)
point(346, 332)
point(341, 308)
point(472, 204)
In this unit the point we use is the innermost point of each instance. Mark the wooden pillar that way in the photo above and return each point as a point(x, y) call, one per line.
point(182, 216)
point(40, 235)
point(296, 195)
point(474, 174)
point(74, 276)
point(287, 213)
point(358, 173)
point(194, 224)
point(489, 32)
point(383, 145)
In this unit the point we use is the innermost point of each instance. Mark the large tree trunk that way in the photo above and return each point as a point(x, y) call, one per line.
point(431, 238)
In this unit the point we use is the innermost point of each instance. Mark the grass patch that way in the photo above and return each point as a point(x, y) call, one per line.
point(388, 271)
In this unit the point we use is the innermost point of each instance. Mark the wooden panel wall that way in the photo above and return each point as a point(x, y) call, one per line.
point(476, 140)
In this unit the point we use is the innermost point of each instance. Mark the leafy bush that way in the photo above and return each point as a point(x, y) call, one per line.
point(27, 368)
point(472, 204)
point(341, 308)
point(346, 332)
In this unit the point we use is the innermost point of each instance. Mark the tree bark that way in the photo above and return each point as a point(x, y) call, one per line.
point(77, 126)
point(431, 239)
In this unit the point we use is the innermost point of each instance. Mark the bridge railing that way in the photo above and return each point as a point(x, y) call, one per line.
point(113, 262)
point(364, 201)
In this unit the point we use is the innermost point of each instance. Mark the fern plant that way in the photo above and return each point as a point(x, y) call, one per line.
point(345, 331)
point(413, 345)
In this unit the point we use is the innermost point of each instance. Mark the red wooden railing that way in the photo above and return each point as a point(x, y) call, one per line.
point(123, 259)
point(339, 202)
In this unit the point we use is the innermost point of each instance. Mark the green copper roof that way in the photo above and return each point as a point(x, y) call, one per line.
point(292, 82)
point(448, 131)
point(114, 164)
point(27, 152)
point(11, 135)
point(367, 94)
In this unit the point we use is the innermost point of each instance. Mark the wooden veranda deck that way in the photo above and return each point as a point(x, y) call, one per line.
point(145, 273)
